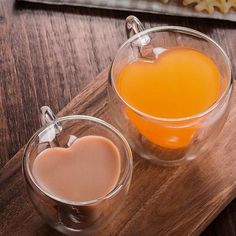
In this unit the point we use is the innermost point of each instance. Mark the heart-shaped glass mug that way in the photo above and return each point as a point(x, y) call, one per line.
point(170, 140)
point(71, 217)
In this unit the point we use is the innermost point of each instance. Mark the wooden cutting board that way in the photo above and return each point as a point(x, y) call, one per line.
point(162, 200)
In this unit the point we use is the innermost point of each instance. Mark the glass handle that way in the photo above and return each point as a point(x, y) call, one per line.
point(48, 117)
point(132, 23)
point(134, 26)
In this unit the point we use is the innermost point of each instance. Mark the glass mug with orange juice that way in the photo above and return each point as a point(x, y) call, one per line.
point(169, 91)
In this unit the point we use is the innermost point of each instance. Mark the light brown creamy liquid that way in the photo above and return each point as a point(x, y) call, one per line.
point(87, 170)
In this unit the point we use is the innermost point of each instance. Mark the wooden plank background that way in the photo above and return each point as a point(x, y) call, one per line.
point(49, 54)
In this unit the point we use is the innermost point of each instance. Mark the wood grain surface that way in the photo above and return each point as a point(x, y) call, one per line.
point(161, 201)
point(47, 56)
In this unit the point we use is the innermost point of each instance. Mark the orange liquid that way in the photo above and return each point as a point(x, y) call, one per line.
point(181, 82)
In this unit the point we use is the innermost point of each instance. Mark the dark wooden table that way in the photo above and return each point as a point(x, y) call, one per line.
point(48, 54)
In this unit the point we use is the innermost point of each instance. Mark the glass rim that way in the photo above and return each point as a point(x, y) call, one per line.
point(182, 30)
point(118, 187)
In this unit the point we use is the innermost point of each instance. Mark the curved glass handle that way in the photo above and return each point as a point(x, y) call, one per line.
point(132, 23)
point(48, 117)
point(134, 26)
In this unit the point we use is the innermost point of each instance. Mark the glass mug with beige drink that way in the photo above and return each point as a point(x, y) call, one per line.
point(77, 171)
point(169, 91)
